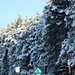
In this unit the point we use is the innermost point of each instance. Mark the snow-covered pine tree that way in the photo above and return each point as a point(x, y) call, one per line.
point(18, 21)
point(55, 30)
point(68, 45)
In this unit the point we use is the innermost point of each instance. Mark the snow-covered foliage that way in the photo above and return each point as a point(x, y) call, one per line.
point(17, 42)
point(48, 40)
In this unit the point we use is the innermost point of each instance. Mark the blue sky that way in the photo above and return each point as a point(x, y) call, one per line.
point(10, 9)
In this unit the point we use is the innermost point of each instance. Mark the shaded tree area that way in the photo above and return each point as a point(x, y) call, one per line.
point(5, 63)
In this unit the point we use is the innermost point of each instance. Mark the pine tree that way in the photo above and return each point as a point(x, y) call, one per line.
point(37, 17)
point(55, 30)
point(26, 21)
point(18, 22)
point(68, 46)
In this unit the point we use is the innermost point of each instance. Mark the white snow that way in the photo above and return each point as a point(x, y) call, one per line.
point(54, 7)
point(73, 24)
point(67, 11)
point(61, 11)
point(59, 23)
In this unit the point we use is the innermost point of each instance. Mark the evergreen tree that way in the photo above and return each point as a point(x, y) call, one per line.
point(18, 22)
point(55, 30)
point(37, 17)
point(68, 46)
